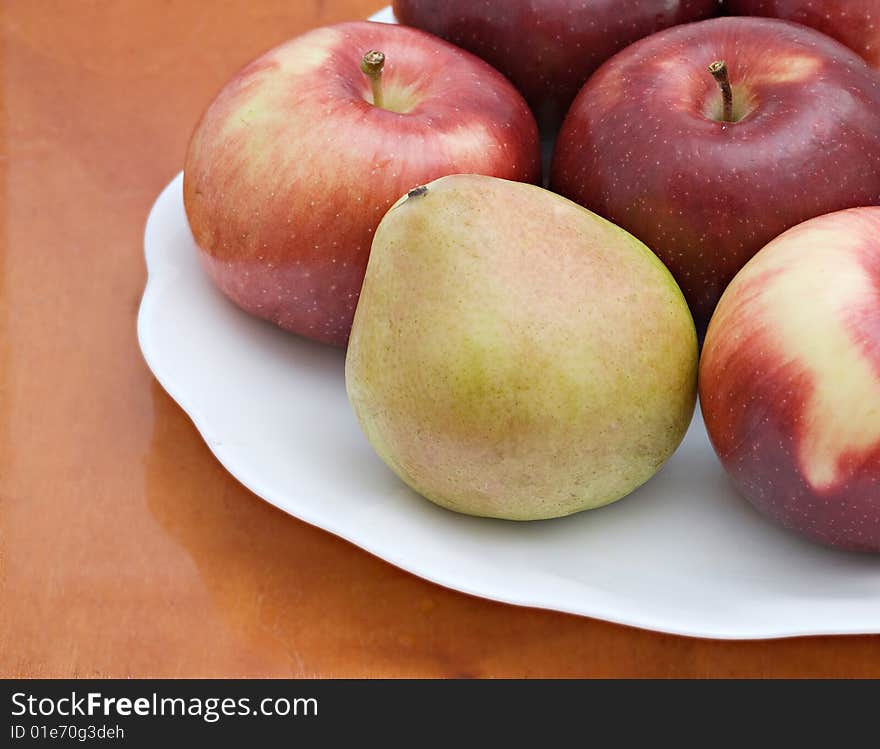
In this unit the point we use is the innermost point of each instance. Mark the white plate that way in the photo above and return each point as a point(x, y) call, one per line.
point(684, 554)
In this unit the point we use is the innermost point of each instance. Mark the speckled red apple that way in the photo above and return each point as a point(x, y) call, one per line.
point(646, 144)
point(856, 23)
point(790, 379)
point(292, 166)
point(548, 48)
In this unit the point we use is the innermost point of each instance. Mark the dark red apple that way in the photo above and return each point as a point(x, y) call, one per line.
point(548, 48)
point(790, 379)
point(647, 145)
point(856, 23)
point(293, 165)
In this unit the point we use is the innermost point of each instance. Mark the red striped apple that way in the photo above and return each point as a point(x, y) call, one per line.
point(648, 143)
point(790, 379)
point(548, 48)
point(856, 23)
point(300, 155)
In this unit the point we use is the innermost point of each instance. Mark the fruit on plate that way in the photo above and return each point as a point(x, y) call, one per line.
point(648, 144)
point(548, 48)
point(790, 379)
point(295, 162)
point(856, 23)
point(516, 356)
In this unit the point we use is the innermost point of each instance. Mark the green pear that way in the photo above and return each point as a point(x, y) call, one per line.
point(516, 356)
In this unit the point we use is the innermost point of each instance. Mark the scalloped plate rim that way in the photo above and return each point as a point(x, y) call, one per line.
point(647, 620)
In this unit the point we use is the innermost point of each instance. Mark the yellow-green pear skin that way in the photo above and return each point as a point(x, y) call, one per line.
point(516, 356)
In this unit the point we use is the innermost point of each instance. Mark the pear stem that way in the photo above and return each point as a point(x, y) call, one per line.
point(372, 66)
point(718, 69)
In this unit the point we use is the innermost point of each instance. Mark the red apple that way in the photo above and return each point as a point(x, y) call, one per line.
point(856, 23)
point(790, 379)
point(548, 48)
point(292, 166)
point(646, 143)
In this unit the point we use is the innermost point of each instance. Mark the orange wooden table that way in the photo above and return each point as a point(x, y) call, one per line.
point(125, 548)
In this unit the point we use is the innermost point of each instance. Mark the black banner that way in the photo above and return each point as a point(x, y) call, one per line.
point(330, 713)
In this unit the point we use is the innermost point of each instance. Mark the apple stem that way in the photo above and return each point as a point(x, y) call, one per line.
point(372, 66)
point(718, 69)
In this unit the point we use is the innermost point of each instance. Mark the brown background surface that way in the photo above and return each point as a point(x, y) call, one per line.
point(125, 548)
